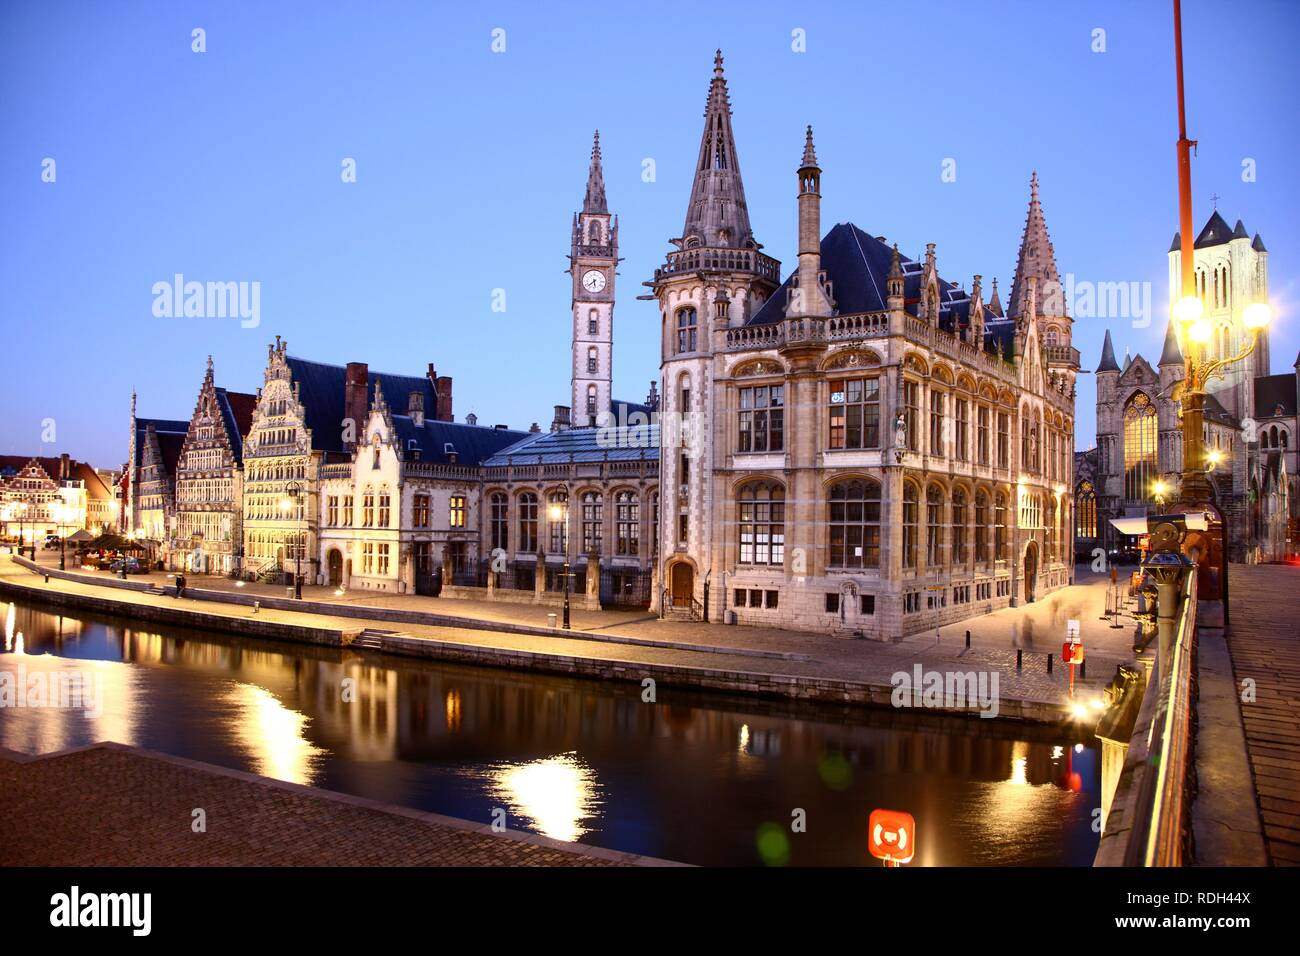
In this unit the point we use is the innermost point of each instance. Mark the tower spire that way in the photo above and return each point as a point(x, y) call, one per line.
point(717, 215)
point(1037, 258)
point(595, 198)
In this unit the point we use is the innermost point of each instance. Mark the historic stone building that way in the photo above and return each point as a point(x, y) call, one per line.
point(208, 531)
point(308, 414)
point(150, 476)
point(1250, 415)
point(46, 495)
point(409, 501)
point(864, 447)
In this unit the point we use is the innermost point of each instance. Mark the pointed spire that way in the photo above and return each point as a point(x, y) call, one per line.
point(1177, 244)
point(717, 215)
point(1171, 354)
point(995, 304)
point(809, 154)
point(1037, 258)
point(1258, 244)
point(595, 199)
point(1128, 359)
point(1108, 363)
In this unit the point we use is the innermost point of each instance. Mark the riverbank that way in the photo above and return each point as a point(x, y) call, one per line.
point(113, 805)
point(706, 657)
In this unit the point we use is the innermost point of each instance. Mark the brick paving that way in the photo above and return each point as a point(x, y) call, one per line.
point(1264, 642)
point(111, 805)
point(1037, 629)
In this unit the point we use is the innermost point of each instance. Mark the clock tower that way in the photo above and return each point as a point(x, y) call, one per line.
point(592, 261)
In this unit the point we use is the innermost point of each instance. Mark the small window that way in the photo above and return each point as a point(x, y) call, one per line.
point(832, 602)
point(868, 604)
point(739, 600)
point(771, 598)
point(755, 598)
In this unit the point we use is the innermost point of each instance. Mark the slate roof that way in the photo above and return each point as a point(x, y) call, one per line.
point(1213, 409)
point(163, 426)
point(582, 445)
point(11, 465)
point(321, 390)
point(857, 266)
point(471, 443)
point(237, 413)
point(1272, 391)
point(1215, 232)
point(1107, 363)
point(1171, 354)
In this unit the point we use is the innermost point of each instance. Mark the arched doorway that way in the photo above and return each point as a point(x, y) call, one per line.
point(682, 581)
point(1031, 570)
point(335, 562)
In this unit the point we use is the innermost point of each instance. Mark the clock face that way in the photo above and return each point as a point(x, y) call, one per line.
point(593, 280)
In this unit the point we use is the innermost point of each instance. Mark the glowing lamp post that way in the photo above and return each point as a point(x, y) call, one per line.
point(559, 513)
point(293, 497)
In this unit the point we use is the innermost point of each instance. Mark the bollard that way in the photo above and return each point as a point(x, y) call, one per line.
point(1049, 663)
point(968, 639)
point(1019, 651)
point(257, 606)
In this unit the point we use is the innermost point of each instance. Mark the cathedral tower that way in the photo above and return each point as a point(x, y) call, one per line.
point(592, 264)
point(1038, 280)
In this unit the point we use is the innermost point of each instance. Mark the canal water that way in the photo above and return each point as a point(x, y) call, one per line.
point(695, 777)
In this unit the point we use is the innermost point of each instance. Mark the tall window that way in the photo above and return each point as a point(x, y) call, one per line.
point(368, 509)
point(627, 518)
point(591, 400)
point(960, 449)
point(1000, 526)
point(909, 524)
point(981, 527)
point(982, 436)
point(761, 518)
point(958, 526)
point(1004, 440)
point(762, 418)
point(936, 422)
point(385, 509)
point(593, 513)
point(332, 511)
point(934, 527)
point(688, 329)
point(557, 518)
point(1085, 510)
point(528, 522)
point(855, 524)
point(420, 511)
point(499, 517)
point(591, 360)
point(456, 512)
point(912, 400)
point(1139, 447)
point(347, 511)
point(593, 322)
point(855, 413)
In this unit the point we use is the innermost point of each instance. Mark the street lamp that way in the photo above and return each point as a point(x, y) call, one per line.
point(292, 497)
point(1160, 490)
point(559, 513)
point(20, 509)
point(61, 516)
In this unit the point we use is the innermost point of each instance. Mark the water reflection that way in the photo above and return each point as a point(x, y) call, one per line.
point(692, 778)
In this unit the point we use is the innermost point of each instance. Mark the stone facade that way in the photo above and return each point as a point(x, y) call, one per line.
point(864, 448)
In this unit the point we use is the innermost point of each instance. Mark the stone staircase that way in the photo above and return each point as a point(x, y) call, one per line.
point(370, 640)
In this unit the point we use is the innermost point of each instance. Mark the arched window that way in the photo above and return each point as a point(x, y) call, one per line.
point(688, 327)
point(593, 515)
point(528, 522)
point(958, 526)
point(855, 524)
point(591, 359)
point(1139, 447)
point(627, 520)
point(1085, 511)
point(375, 441)
point(593, 232)
point(499, 510)
point(760, 514)
point(368, 508)
point(981, 527)
point(591, 400)
point(934, 527)
point(909, 524)
point(557, 518)
point(593, 322)
point(1000, 526)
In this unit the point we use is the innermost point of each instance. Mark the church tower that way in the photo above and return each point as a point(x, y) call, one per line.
point(1231, 271)
point(592, 262)
point(712, 282)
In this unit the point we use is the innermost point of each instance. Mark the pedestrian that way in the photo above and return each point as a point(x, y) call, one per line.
point(180, 585)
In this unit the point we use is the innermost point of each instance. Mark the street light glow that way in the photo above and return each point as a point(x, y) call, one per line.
point(1200, 331)
point(1188, 309)
point(1257, 316)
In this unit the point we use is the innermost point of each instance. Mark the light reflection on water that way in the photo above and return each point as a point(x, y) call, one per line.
point(691, 778)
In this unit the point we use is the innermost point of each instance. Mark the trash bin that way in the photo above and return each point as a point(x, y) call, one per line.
point(288, 591)
point(552, 619)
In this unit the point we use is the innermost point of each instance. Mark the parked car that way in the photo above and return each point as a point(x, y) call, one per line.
point(130, 565)
point(52, 542)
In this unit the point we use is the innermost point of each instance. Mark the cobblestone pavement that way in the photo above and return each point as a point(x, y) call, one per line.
point(111, 805)
point(1037, 630)
point(1264, 642)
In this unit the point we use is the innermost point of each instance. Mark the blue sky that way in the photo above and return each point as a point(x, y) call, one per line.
point(225, 166)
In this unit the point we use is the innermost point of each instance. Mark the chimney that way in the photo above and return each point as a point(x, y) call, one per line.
point(443, 386)
point(415, 408)
point(356, 401)
point(65, 467)
point(536, 429)
point(561, 419)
